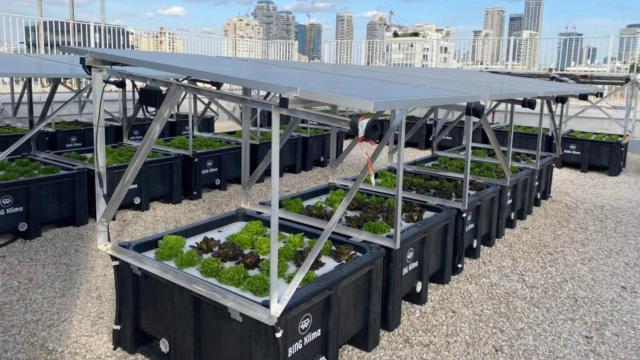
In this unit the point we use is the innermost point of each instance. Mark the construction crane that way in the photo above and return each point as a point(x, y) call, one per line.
point(389, 25)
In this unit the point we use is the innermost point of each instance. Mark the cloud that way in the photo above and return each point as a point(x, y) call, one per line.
point(311, 6)
point(370, 13)
point(172, 11)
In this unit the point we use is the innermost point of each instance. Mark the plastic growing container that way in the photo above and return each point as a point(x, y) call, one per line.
point(28, 204)
point(70, 135)
point(422, 137)
point(180, 126)
point(425, 256)
point(8, 136)
point(513, 199)
point(591, 154)
point(290, 153)
point(159, 179)
point(455, 136)
point(316, 146)
point(474, 226)
point(524, 137)
point(211, 168)
point(157, 316)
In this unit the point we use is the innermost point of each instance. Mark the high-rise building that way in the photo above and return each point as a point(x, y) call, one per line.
point(629, 43)
point(589, 55)
point(494, 22)
point(569, 50)
point(515, 25)
point(344, 37)
point(309, 39)
point(531, 24)
point(526, 48)
point(285, 26)
point(481, 47)
point(265, 13)
point(301, 38)
point(375, 40)
point(243, 37)
point(315, 41)
point(533, 10)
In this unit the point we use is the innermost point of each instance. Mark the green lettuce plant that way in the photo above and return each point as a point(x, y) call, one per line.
point(198, 143)
point(169, 247)
point(294, 205)
point(234, 275)
point(211, 267)
point(257, 285)
point(376, 227)
point(187, 259)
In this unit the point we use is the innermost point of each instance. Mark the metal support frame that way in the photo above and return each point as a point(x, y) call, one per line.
point(41, 124)
point(16, 106)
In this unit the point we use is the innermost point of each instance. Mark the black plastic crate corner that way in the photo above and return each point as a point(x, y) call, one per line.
point(28, 204)
point(591, 154)
point(316, 148)
point(340, 307)
point(541, 181)
point(425, 255)
point(159, 179)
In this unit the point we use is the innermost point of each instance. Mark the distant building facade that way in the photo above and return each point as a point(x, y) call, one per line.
point(265, 13)
point(629, 43)
point(494, 19)
point(285, 26)
point(515, 26)
point(375, 40)
point(344, 37)
point(243, 37)
point(569, 50)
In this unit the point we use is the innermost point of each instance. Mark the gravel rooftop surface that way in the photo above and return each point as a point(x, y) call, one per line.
point(564, 284)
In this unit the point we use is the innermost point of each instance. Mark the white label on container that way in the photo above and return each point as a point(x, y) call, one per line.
point(304, 329)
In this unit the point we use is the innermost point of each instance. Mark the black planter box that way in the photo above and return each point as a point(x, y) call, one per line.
point(28, 204)
point(522, 140)
point(589, 154)
point(211, 169)
point(343, 307)
point(180, 126)
point(138, 128)
point(71, 139)
point(7, 140)
point(513, 199)
point(290, 154)
point(474, 226)
point(455, 136)
point(421, 139)
point(375, 130)
point(158, 180)
point(316, 148)
point(425, 255)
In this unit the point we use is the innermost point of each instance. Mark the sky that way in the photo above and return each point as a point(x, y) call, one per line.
point(591, 17)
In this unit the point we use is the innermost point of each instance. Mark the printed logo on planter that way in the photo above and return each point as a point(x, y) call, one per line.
point(305, 324)
point(6, 201)
point(410, 263)
point(73, 139)
point(409, 255)
point(209, 163)
point(573, 146)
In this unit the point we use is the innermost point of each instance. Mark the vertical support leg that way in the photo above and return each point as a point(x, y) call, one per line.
point(401, 116)
point(246, 150)
point(275, 209)
point(123, 103)
point(190, 103)
point(99, 155)
point(628, 98)
point(12, 90)
point(30, 112)
point(539, 144)
point(467, 140)
point(511, 125)
point(333, 144)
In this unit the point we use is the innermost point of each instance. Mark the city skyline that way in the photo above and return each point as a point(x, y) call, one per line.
point(591, 17)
